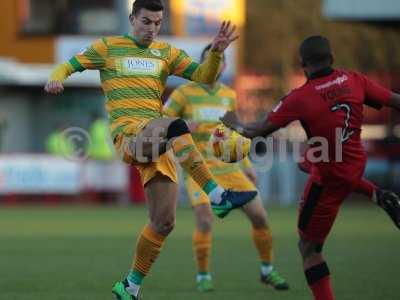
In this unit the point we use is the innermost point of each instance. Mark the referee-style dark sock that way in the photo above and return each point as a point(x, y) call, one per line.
point(319, 282)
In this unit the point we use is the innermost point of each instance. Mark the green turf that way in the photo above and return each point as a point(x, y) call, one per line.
point(78, 253)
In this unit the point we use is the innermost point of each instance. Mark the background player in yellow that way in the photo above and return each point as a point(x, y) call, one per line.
point(201, 105)
point(133, 72)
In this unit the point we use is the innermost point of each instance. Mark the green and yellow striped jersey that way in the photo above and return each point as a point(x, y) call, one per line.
point(203, 105)
point(133, 78)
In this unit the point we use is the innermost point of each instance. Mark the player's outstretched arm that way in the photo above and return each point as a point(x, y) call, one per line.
point(55, 84)
point(208, 71)
point(249, 130)
point(92, 58)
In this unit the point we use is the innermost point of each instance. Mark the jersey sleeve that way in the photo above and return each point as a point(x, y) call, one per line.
point(175, 104)
point(181, 64)
point(285, 112)
point(376, 95)
point(92, 58)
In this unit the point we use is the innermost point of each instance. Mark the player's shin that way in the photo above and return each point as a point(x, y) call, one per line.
point(191, 160)
point(148, 248)
point(318, 279)
point(262, 239)
point(189, 157)
point(201, 250)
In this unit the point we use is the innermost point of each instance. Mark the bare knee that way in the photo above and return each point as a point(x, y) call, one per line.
point(164, 225)
point(256, 215)
point(309, 249)
point(258, 220)
point(204, 224)
point(203, 218)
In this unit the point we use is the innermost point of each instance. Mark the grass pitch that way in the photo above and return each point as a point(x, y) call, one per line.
point(68, 253)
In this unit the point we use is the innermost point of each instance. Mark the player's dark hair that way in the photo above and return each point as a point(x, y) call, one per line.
point(204, 53)
point(316, 51)
point(152, 5)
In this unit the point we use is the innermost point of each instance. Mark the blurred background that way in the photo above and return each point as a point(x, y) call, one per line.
point(57, 150)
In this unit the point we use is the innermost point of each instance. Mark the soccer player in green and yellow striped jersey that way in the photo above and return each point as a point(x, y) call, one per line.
point(201, 106)
point(133, 72)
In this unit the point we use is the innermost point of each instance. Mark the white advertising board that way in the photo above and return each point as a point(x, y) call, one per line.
point(47, 174)
point(36, 174)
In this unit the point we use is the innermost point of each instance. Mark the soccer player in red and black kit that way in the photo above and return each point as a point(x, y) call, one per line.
point(330, 107)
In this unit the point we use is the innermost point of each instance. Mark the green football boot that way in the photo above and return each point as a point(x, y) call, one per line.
point(222, 209)
point(231, 200)
point(205, 284)
point(120, 292)
point(275, 280)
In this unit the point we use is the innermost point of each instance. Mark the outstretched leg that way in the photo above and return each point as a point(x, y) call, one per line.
point(163, 134)
point(387, 200)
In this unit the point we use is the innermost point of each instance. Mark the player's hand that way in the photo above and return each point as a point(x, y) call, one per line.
point(226, 35)
point(54, 87)
point(231, 120)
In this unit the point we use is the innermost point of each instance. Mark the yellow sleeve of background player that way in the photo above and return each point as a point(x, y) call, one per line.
point(182, 65)
point(93, 58)
point(175, 104)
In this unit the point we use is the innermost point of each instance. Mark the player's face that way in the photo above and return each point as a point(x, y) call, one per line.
point(146, 25)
